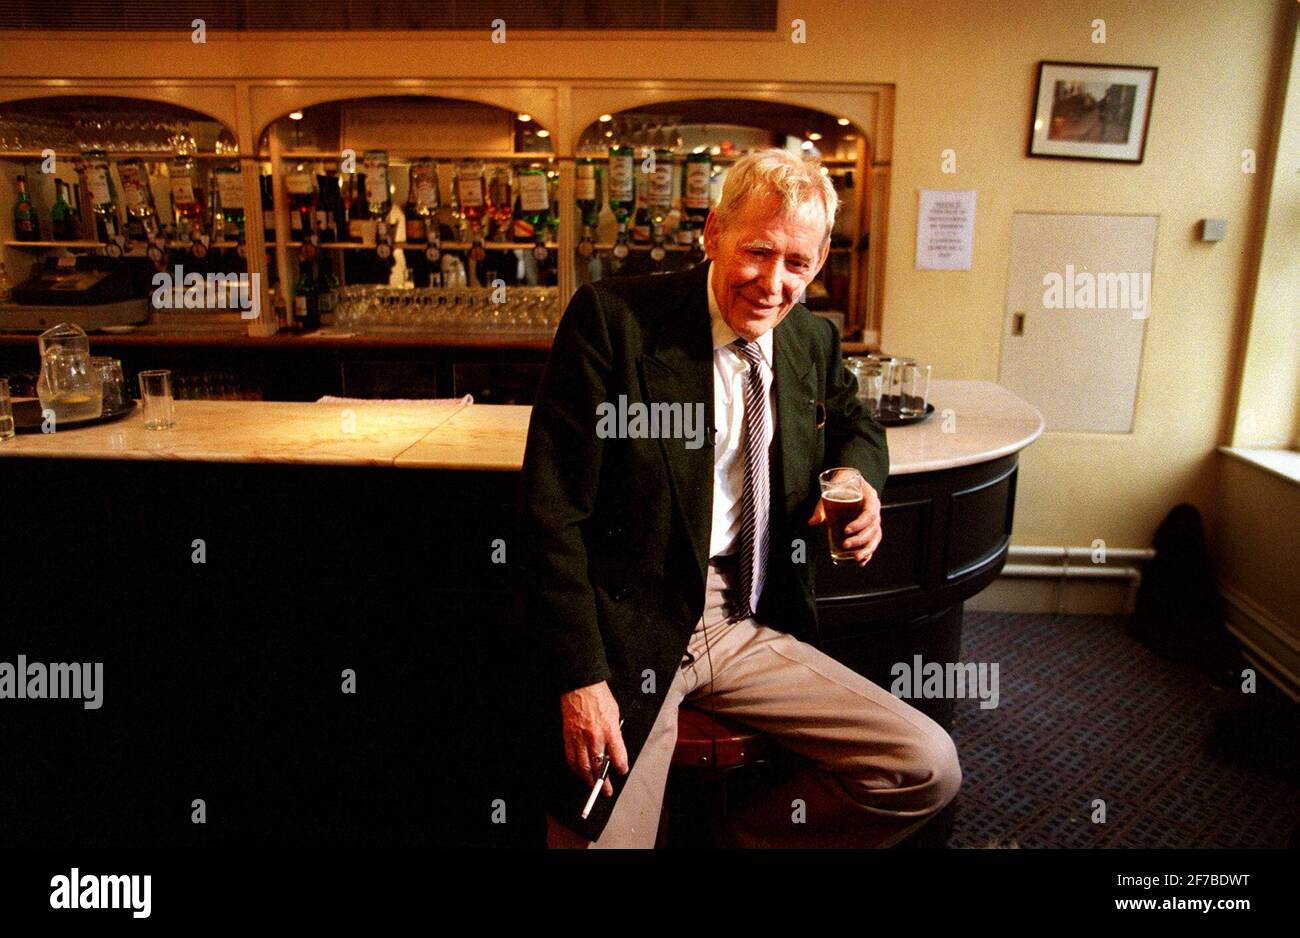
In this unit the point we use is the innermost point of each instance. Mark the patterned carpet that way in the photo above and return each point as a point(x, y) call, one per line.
point(1086, 712)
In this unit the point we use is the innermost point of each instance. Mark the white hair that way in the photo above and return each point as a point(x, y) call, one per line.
point(773, 171)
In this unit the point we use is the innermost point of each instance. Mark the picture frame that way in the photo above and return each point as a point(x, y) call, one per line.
point(1090, 111)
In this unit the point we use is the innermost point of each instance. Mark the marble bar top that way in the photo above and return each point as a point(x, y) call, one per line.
point(974, 421)
point(251, 432)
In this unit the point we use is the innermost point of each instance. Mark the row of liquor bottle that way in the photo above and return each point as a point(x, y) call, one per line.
point(640, 196)
point(512, 203)
point(653, 197)
point(195, 215)
point(516, 202)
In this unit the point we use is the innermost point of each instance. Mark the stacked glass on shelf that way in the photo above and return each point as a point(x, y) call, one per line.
point(520, 309)
point(119, 130)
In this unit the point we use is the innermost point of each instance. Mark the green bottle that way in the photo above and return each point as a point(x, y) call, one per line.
point(587, 191)
point(306, 305)
point(230, 193)
point(327, 292)
point(26, 226)
point(99, 182)
point(534, 197)
point(535, 205)
point(62, 221)
point(696, 182)
point(622, 184)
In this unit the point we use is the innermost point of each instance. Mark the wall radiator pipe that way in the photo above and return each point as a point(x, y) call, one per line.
point(1085, 570)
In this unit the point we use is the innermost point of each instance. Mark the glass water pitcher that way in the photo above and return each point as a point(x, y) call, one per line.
point(69, 384)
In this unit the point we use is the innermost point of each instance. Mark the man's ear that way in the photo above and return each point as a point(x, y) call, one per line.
point(711, 234)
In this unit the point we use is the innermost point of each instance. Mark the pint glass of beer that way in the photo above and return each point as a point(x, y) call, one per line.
point(843, 498)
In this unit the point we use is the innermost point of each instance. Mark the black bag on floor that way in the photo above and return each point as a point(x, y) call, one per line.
point(1178, 612)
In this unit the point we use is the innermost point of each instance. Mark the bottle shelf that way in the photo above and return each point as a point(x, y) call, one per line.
point(136, 247)
point(406, 154)
point(401, 155)
point(358, 246)
point(668, 246)
point(832, 162)
point(633, 246)
point(407, 246)
point(54, 244)
point(117, 154)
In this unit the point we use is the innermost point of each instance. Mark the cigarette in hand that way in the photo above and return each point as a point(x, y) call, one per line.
point(600, 782)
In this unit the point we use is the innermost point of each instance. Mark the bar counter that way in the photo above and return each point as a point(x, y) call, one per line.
point(228, 571)
point(162, 336)
point(974, 422)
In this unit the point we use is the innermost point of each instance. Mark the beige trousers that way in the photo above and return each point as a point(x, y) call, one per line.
point(879, 767)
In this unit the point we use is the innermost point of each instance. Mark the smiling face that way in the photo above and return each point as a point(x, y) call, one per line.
point(763, 259)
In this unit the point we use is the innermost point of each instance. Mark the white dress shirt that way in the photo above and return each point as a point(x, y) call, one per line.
point(730, 372)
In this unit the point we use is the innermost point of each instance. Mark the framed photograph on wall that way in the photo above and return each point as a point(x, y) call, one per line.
point(1085, 111)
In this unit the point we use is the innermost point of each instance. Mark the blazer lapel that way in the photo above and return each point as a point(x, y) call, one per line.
point(796, 405)
point(678, 367)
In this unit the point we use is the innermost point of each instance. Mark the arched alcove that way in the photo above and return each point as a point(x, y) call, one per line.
point(409, 124)
point(457, 173)
point(49, 140)
point(835, 139)
point(120, 125)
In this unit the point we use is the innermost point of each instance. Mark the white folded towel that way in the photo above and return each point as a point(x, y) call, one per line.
point(427, 401)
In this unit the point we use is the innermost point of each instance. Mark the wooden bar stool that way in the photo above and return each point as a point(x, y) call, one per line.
point(712, 759)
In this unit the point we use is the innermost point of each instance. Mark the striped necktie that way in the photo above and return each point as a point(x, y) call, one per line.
point(754, 496)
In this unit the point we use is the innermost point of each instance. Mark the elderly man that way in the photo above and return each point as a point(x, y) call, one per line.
point(660, 566)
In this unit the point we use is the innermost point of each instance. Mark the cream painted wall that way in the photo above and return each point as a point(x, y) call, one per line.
point(964, 73)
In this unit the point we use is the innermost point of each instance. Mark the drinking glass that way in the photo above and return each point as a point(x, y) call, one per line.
point(479, 314)
point(6, 411)
point(156, 398)
point(843, 499)
point(343, 309)
point(371, 311)
point(870, 375)
point(110, 373)
point(914, 389)
point(892, 399)
point(424, 310)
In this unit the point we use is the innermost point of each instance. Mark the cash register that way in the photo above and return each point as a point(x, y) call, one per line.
point(91, 291)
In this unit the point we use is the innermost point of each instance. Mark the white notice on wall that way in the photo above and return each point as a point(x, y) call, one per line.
point(945, 229)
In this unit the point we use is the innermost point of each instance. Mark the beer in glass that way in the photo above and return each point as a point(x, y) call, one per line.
point(843, 499)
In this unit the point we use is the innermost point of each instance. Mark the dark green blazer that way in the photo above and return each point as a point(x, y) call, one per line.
point(615, 532)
